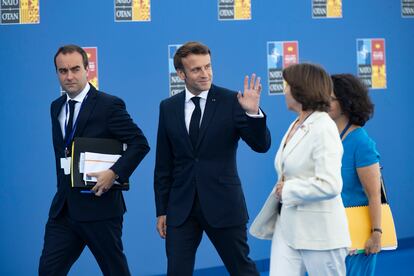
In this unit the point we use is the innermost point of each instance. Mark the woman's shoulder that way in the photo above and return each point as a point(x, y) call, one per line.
point(360, 136)
point(322, 121)
point(364, 147)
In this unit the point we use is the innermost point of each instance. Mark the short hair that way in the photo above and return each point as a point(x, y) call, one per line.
point(353, 98)
point(192, 47)
point(310, 85)
point(71, 48)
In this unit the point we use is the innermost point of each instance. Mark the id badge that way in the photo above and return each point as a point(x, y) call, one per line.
point(65, 164)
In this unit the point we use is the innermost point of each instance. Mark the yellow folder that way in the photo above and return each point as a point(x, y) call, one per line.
point(359, 224)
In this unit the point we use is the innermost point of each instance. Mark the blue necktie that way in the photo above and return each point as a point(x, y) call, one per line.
point(69, 126)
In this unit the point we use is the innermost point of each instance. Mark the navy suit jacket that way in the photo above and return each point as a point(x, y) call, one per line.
point(101, 116)
point(210, 169)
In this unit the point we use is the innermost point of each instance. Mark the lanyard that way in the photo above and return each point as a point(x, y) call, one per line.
point(68, 138)
point(345, 130)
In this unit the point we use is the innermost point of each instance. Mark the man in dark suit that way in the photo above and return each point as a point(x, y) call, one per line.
point(78, 219)
point(197, 187)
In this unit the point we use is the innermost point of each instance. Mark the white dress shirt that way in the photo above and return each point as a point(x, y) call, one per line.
point(63, 117)
point(190, 106)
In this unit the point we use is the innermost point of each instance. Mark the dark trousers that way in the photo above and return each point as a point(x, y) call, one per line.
point(65, 240)
point(231, 244)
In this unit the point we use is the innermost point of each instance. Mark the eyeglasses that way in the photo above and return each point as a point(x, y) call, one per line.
point(333, 99)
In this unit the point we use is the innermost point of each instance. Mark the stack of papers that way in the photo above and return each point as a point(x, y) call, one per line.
point(91, 155)
point(91, 162)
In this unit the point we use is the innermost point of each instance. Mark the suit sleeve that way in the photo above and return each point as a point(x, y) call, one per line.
point(57, 161)
point(163, 166)
point(326, 183)
point(125, 130)
point(252, 130)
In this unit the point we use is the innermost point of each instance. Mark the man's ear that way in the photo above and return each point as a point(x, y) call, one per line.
point(181, 74)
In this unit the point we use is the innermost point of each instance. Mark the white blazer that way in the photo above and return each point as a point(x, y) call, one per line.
point(313, 215)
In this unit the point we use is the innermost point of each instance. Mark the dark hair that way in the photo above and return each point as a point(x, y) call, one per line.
point(192, 47)
point(352, 95)
point(71, 48)
point(310, 85)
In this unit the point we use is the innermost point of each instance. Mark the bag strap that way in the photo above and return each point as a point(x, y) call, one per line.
point(384, 199)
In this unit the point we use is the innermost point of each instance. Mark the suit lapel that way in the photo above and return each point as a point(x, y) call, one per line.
point(279, 154)
point(57, 133)
point(209, 110)
point(86, 110)
point(179, 108)
point(298, 136)
point(295, 140)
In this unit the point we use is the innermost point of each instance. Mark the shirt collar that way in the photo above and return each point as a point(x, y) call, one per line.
point(189, 95)
point(81, 96)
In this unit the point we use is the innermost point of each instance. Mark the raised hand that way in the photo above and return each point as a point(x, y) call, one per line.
point(250, 98)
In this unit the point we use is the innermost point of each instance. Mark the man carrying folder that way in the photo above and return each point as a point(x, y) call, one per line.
point(78, 219)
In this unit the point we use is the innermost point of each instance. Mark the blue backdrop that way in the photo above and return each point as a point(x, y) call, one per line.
point(133, 64)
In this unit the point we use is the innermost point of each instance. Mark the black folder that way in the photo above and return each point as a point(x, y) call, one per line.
point(96, 145)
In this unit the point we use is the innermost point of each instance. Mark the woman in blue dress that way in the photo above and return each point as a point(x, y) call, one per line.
point(351, 108)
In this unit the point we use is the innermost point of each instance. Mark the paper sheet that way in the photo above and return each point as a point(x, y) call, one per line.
point(96, 162)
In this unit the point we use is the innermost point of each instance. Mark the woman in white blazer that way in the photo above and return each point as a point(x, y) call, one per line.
point(304, 214)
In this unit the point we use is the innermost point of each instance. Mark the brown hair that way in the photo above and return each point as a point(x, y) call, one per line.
point(71, 48)
point(310, 85)
point(192, 47)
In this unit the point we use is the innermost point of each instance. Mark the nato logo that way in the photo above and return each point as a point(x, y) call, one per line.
point(234, 9)
point(19, 12)
point(176, 84)
point(132, 10)
point(280, 54)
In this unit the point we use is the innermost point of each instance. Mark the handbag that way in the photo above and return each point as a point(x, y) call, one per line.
point(359, 224)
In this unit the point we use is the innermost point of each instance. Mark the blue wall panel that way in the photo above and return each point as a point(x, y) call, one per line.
point(133, 64)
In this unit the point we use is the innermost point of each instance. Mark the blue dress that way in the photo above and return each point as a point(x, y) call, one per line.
point(359, 151)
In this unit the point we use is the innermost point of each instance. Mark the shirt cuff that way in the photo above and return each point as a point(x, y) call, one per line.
point(260, 115)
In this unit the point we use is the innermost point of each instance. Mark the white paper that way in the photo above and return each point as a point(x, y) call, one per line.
point(96, 162)
point(82, 162)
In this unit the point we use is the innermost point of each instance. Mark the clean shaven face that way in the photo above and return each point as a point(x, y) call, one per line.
point(73, 77)
point(197, 73)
